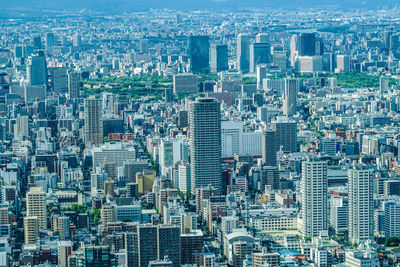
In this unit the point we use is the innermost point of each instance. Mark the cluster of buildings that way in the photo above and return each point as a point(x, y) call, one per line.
point(258, 154)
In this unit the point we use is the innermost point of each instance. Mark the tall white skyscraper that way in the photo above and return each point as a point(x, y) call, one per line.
point(290, 96)
point(205, 143)
point(314, 199)
point(93, 113)
point(361, 209)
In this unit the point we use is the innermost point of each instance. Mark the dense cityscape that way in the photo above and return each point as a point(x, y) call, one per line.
point(163, 137)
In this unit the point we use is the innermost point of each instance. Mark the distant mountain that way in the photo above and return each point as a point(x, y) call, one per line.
point(120, 6)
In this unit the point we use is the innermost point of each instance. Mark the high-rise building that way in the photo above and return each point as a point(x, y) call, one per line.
point(37, 42)
point(59, 80)
point(219, 58)
point(36, 206)
point(31, 229)
point(260, 53)
point(307, 44)
point(243, 53)
point(199, 50)
point(191, 243)
point(205, 143)
point(391, 219)
point(361, 209)
point(290, 96)
point(294, 49)
point(268, 148)
point(342, 63)
point(285, 135)
point(314, 198)
point(93, 113)
point(36, 69)
point(269, 177)
point(384, 84)
point(74, 79)
point(50, 40)
point(156, 242)
point(262, 38)
point(261, 75)
point(184, 178)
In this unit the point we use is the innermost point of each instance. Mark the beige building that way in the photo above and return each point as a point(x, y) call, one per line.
point(31, 229)
point(36, 205)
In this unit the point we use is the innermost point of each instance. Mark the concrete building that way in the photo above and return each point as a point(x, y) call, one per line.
point(31, 229)
point(185, 83)
point(391, 219)
point(93, 128)
point(290, 96)
point(205, 143)
point(361, 211)
point(36, 206)
point(314, 198)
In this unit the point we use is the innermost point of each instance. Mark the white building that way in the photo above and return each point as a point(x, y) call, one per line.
point(361, 210)
point(314, 199)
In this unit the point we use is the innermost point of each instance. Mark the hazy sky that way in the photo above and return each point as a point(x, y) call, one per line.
point(137, 5)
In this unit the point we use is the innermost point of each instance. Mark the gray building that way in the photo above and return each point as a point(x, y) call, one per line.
point(242, 54)
point(93, 113)
point(219, 58)
point(205, 143)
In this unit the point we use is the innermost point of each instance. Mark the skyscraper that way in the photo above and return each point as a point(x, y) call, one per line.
point(259, 54)
point(205, 143)
point(268, 148)
point(73, 84)
point(290, 96)
point(285, 134)
point(199, 49)
point(307, 44)
point(219, 58)
point(242, 54)
point(37, 69)
point(314, 198)
point(36, 206)
point(93, 129)
point(361, 209)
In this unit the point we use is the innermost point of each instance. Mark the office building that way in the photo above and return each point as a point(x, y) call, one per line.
point(205, 143)
point(93, 128)
point(314, 198)
point(219, 58)
point(74, 79)
point(185, 83)
point(59, 80)
point(290, 96)
point(156, 242)
point(191, 243)
point(307, 44)
point(199, 50)
point(342, 63)
point(36, 69)
point(361, 211)
point(36, 206)
point(243, 53)
point(285, 135)
point(269, 178)
point(268, 147)
point(259, 54)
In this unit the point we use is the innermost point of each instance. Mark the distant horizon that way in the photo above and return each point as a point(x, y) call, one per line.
point(122, 6)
